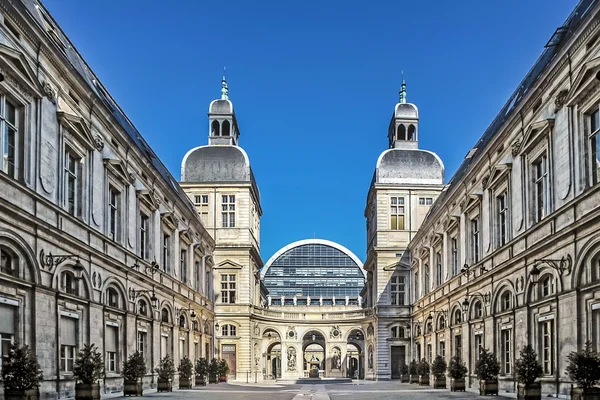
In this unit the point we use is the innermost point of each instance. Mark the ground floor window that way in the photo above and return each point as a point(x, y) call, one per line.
point(458, 346)
point(547, 345)
point(164, 346)
point(478, 345)
point(442, 349)
point(596, 327)
point(505, 350)
point(67, 356)
point(429, 352)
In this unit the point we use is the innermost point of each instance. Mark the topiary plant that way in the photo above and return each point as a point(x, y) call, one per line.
point(412, 368)
point(527, 367)
point(438, 367)
point(223, 368)
point(487, 367)
point(134, 368)
point(584, 366)
point(166, 368)
point(202, 367)
point(89, 365)
point(186, 368)
point(423, 367)
point(21, 370)
point(403, 368)
point(457, 368)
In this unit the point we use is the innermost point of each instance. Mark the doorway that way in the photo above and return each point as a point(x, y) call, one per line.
point(229, 354)
point(398, 358)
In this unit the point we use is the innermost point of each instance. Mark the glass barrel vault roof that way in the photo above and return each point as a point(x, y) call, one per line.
point(314, 268)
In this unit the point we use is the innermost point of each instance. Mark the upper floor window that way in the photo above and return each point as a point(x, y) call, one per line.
point(114, 213)
point(228, 211)
point(546, 284)
point(9, 136)
point(478, 310)
point(69, 283)
point(398, 332)
point(426, 282)
point(8, 262)
point(397, 213)
point(595, 145)
point(475, 240)
point(425, 201)
point(505, 301)
point(166, 253)
point(112, 297)
point(228, 330)
point(417, 292)
point(143, 308)
point(540, 180)
point(397, 290)
point(228, 288)
point(442, 323)
point(454, 244)
point(457, 317)
point(201, 202)
point(182, 322)
point(164, 316)
point(72, 183)
point(144, 235)
point(183, 266)
point(502, 218)
point(439, 274)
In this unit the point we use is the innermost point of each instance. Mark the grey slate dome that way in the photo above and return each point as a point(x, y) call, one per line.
point(221, 106)
point(409, 166)
point(406, 111)
point(216, 164)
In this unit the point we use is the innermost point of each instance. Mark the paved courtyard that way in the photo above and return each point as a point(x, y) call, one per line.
point(351, 391)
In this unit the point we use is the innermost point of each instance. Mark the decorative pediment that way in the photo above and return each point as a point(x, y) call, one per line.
point(424, 253)
point(397, 266)
point(186, 236)
point(228, 264)
point(499, 173)
point(15, 67)
point(78, 128)
point(586, 80)
point(118, 169)
point(534, 133)
point(148, 199)
point(451, 222)
point(169, 219)
point(473, 200)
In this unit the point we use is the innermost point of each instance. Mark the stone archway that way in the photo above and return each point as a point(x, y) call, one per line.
point(272, 357)
point(313, 350)
point(355, 357)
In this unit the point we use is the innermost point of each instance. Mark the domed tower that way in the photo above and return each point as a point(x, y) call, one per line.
point(406, 182)
point(218, 179)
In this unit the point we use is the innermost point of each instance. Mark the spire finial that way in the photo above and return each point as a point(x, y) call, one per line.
point(403, 91)
point(224, 88)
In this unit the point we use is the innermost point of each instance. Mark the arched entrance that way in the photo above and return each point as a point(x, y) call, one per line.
point(313, 349)
point(355, 359)
point(272, 363)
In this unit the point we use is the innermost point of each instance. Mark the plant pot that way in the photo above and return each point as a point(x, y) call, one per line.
point(424, 380)
point(488, 386)
point(404, 378)
point(223, 378)
point(532, 391)
point(578, 393)
point(87, 391)
point(200, 380)
point(185, 383)
point(439, 382)
point(17, 394)
point(164, 385)
point(132, 388)
point(212, 379)
point(457, 385)
point(414, 379)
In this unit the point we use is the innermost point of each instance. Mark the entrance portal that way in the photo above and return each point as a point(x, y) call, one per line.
point(272, 357)
point(355, 358)
point(313, 348)
point(398, 358)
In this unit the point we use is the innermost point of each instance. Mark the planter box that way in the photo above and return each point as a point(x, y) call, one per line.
point(132, 388)
point(164, 385)
point(529, 392)
point(424, 380)
point(487, 387)
point(457, 385)
point(404, 378)
point(200, 380)
point(414, 379)
point(87, 391)
point(15, 394)
point(223, 378)
point(439, 383)
point(212, 379)
point(585, 394)
point(185, 383)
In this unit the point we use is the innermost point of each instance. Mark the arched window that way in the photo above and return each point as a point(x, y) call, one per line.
point(429, 326)
point(411, 132)
point(215, 129)
point(418, 330)
point(226, 128)
point(478, 310)
point(164, 316)
point(182, 321)
point(505, 301)
point(401, 132)
point(70, 283)
point(398, 332)
point(546, 284)
point(595, 268)
point(195, 325)
point(143, 308)
point(457, 317)
point(228, 330)
point(442, 323)
point(112, 297)
point(8, 262)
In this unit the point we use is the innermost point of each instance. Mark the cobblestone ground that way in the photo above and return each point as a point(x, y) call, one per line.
point(352, 391)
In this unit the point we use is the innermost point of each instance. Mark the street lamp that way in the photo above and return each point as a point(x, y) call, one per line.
point(192, 312)
point(134, 294)
point(148, 269)
point(52, 260)
point(468, 271)
point(563, 266)
point(465, 303)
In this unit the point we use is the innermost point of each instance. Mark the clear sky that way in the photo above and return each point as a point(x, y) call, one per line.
point(313, 83)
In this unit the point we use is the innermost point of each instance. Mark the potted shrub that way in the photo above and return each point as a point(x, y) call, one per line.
point(21, 374)
point(223, 370)
point(165, 371)
point(88, 369)
point(403, 372)
point(423, 371)
point(527, 370)
point(584, 368)
point(213, 371)
point(412, 370)
point(133, 370)
point(487, 369)
point(201, 371)
point(457, 370)
point(186, 371)
point(438, 370)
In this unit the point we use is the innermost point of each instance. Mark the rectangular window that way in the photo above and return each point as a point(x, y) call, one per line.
point(8, 136)
point(72, 182)
point(397, 290)
point(228, 288)
point(164, 346)
point(505, 349)
point(144, 236)
point(397, 213)
point(502, 214)
point(547, 332)
point(421, 201)
point(426, 280)
point(454, 256)
point(540, 169)
point(475, 240)
point(595, 146)
point(111, 340)
point(166, 253)
point(439, 275)
point(429, 353)
point(142, 342)
point(478, 345)
point(67, 357)
point(7, 331)
point(183, 266)
point(442, 349)
point(458, 346)
point(114, 197)
point(228, 211)
point(201, 202)
point(428, 201)
point(68, 343)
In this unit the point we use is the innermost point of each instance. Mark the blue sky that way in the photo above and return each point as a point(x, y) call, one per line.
point(313, 83)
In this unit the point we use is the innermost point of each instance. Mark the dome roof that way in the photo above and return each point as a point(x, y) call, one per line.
point(220, 106)
point(406, 111)
point(224, 163)
point(409, 166)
